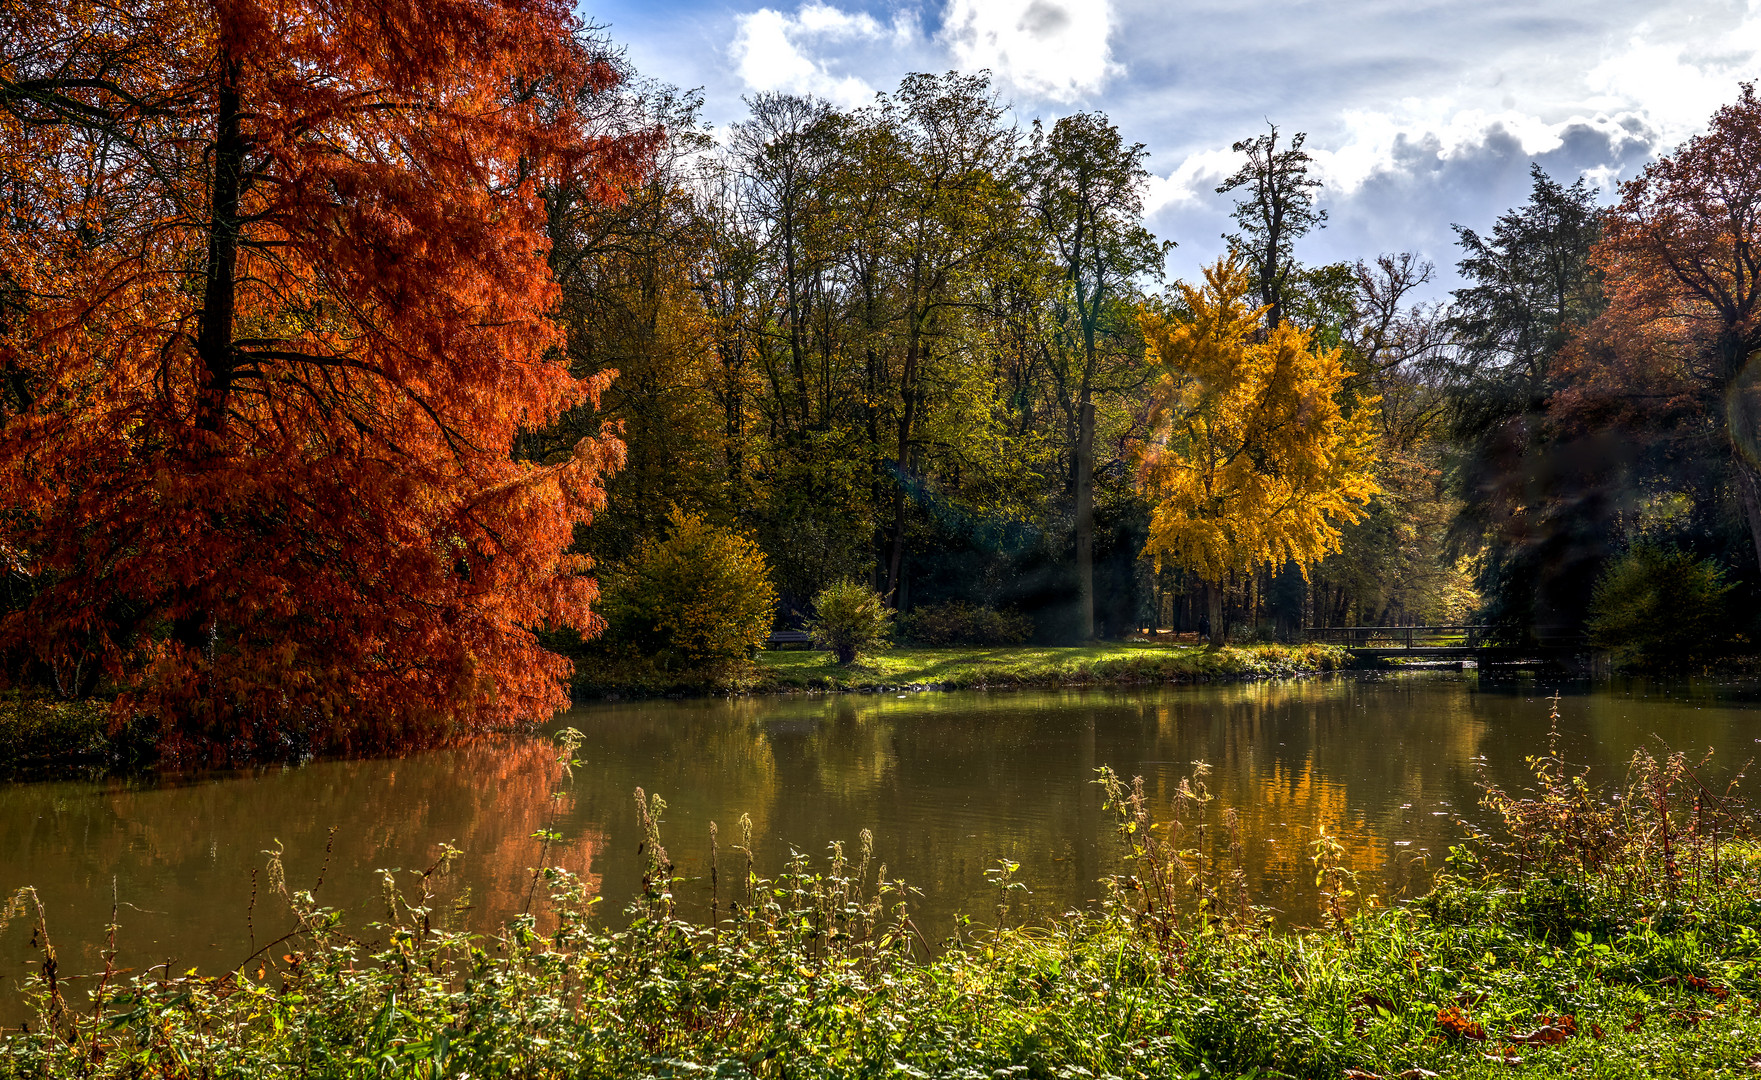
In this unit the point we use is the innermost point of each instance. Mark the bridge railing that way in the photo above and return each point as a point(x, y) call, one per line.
point(1398, 637)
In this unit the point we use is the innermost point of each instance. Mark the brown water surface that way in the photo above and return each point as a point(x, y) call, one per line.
point(949, 783)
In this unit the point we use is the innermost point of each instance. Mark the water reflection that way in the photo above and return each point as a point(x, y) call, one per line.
point(948, 783)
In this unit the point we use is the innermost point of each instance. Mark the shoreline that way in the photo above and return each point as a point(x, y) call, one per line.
point(46, 739)
point(1023, 667)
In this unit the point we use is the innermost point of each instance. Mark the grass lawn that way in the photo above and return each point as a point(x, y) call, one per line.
point(1031, 665)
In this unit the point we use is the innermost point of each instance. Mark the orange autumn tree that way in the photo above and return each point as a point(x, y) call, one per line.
point(1253, 461)
point(273, 306)
point(1677, 350)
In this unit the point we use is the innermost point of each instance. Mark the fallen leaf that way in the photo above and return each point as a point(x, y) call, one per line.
point(1455, 1021)
point(1371, 999)
point(1549, 1031)
point(1545, 1035)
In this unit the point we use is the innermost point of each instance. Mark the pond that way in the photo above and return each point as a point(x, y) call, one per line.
point(947, 782)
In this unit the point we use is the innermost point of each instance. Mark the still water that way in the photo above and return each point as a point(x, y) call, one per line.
point(948, 783)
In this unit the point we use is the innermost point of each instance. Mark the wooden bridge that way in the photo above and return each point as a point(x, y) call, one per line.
point(1462, 642)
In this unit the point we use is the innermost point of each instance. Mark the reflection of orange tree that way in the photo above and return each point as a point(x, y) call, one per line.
point(179, 850)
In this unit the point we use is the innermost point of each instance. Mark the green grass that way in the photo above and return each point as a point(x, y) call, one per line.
point(1037, 666)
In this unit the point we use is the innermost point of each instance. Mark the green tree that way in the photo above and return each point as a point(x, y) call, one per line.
point(1085, 187)
point(849, 617)
point(1276, 209)
point(952, 221)
point(1660, 608)
point(1524, 508)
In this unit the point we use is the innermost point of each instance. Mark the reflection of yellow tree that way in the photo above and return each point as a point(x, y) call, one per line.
point(1294, 757)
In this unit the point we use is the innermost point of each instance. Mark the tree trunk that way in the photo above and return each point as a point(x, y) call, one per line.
point(1214, 602)
point(220, 287)
point(1749, 491)
point(214, 328)
point(1085, 521)
point(907, 414)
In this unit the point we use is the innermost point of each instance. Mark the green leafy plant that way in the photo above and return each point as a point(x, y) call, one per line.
point(701, 598)
point(1660, 608)
point(849, 617)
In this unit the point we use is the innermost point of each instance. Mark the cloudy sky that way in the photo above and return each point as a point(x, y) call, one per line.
point(1420, 112)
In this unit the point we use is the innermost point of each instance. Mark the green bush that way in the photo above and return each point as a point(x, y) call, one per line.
point(1659, 608)
point(700, 599)
point(964, 624)
point(849, 617)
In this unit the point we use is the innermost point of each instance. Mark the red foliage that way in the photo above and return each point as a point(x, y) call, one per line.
point(275, 307)
point(1674, 351)
point(1456, 1023)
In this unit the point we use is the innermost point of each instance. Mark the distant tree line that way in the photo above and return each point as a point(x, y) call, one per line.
point(905, 344)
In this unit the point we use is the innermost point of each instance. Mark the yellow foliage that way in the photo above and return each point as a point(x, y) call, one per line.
point(1252, 461)
point(702, 597)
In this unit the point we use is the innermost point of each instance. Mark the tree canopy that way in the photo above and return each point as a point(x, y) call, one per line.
point(276, 307)
point(1254, 461)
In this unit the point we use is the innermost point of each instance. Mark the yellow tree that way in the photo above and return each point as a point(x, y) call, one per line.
point(1253, 460)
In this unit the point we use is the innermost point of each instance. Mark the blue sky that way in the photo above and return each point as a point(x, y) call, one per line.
point(1421, 113)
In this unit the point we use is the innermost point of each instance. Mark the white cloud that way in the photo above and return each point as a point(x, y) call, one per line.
point(1678, 83)
point(825, 21)
point(773, 51)
point(1050, 48)
point(1192, 182)
point(1653, 91)
point(1377, 141)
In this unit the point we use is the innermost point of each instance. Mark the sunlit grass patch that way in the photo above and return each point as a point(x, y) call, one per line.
point(1031, 665)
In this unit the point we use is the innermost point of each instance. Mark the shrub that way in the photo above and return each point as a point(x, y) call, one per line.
point(965, 624)
point(1659, 608)
point(701, 598)
point(848, 618)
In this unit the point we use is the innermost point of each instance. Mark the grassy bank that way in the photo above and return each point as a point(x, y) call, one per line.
point(41, 736)
point(955, 667)
point(1594, 938)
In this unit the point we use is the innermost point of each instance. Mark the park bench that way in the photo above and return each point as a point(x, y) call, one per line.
point(782, 639)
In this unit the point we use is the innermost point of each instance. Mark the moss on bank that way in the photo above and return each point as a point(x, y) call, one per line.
point(1047, 666)
point(42, 735)
point(967, 668)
